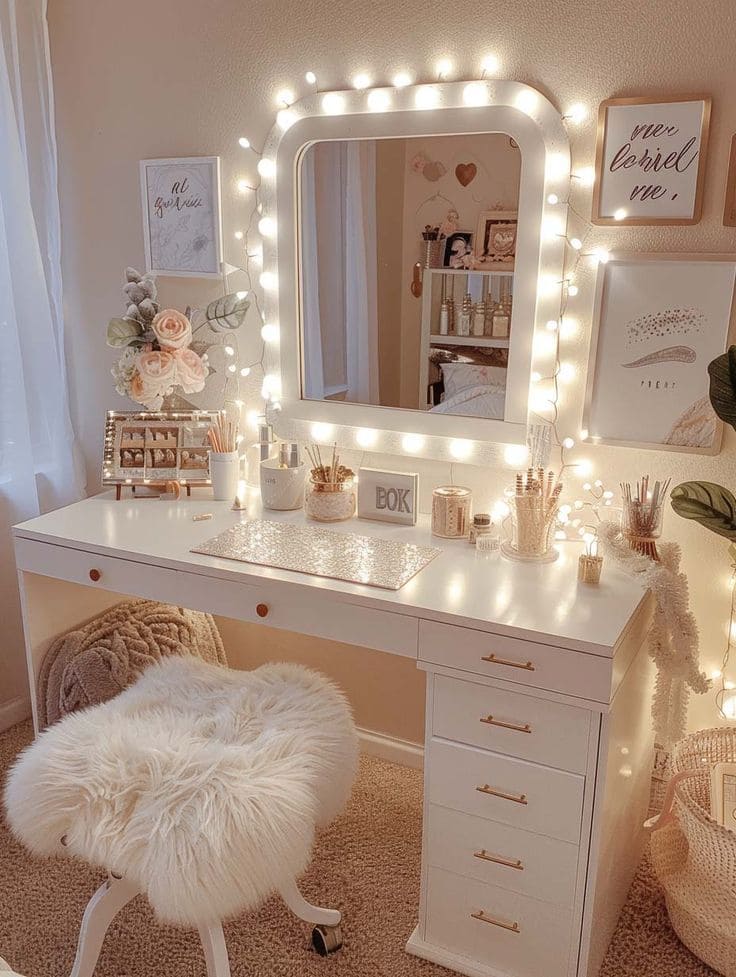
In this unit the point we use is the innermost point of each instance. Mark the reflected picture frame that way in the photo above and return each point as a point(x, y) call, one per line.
point(495, 239)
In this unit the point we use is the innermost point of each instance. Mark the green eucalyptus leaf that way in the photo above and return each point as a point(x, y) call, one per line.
point(723, 386)
point(123, 332)
point(713, 506)
point(228, 312)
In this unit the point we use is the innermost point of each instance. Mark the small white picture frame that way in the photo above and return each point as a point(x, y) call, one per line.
point(658, 321)
point(182, 222)
point(385, 496)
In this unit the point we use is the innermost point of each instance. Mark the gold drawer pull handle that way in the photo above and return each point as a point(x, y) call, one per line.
point(529, 666)
point(512, 927)
point(499, 859)
point(519, 727)
point(517, 798)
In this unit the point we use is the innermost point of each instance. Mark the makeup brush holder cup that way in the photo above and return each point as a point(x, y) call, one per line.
point(330, 501)
point(282, 488)
point(224, 472)
point(432, 252)
point(641, 525)
point(532, 530)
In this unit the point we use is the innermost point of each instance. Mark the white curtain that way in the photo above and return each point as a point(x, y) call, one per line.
point(339, 269)
point(39, 467)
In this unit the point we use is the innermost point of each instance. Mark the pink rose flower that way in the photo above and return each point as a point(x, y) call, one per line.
point(191, 372)
point(154, 378)
point(172, 329)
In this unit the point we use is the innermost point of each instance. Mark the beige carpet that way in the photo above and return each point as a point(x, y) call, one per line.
point(367, 865)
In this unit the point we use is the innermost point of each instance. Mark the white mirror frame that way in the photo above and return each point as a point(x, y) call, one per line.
point(441, 108)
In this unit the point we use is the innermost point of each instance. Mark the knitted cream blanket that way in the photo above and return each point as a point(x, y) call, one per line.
point(97, 661)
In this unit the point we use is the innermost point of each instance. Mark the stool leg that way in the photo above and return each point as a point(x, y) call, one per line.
point(100, 912)
point(305, 910)
point(215, 950)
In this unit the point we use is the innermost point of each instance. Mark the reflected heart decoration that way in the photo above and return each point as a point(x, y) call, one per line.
point(465, 173)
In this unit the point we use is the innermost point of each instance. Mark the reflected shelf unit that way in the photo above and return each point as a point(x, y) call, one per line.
point(453, 282)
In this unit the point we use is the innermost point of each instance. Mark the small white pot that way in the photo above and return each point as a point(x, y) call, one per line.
point(224, 471)
point(282, 488)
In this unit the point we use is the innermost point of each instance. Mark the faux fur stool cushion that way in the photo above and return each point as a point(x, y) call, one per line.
point(202, 785)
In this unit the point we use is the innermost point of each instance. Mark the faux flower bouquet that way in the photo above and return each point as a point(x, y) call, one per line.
point(157, 355)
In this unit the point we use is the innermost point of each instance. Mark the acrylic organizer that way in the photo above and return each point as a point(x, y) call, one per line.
point(224, 472)
point(330, 501)
point(534, 511)
point(641, 515)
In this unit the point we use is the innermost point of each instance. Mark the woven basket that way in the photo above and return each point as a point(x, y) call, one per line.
point(695, 857)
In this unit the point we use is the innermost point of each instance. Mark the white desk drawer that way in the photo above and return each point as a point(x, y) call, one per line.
point(307, 612)
point(538, 945)
point(534, 798)
point(533, 865)
point(524, 662)
point(513, 723)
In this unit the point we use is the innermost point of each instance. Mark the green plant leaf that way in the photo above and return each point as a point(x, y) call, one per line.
point(123, 332)
point(228, 312)
point(722, 373)
point(713, 506)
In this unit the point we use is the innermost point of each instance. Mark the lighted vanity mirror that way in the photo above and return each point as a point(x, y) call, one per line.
point(407, 253)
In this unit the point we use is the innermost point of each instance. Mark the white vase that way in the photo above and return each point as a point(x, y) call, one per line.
point(282, 488)
point(224, 471)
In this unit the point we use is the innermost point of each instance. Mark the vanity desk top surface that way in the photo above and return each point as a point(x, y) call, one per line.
point(543, 603)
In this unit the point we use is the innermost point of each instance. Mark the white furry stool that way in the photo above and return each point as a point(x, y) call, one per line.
point(199, 786)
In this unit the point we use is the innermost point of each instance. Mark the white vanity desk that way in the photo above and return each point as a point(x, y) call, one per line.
point(537, 731)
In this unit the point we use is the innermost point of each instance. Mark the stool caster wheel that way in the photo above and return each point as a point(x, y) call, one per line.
point(326, 939)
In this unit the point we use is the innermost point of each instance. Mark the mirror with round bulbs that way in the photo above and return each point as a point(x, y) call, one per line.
point(411, 256)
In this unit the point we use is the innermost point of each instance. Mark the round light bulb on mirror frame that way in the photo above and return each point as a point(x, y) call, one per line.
point(526, 101)
point(475, 93)
point(238, 235)
point(267, 226)
point(361, 81)
point(333, 103)
point(426, 97)
point(321, 431)
point(552, 325)
point(366, 437)
point(412, 443)
point(378, 100)
point(586, 175)
point(461, 448)
point(286, 118)
point(270, 332)
point(268, 280)
point(244, 186)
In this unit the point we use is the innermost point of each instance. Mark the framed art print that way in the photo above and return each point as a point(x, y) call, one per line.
point(182, 228)
point(650, 160)
point(659, 321)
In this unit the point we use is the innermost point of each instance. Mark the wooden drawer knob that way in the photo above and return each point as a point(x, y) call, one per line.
point(95, 575)
point(262, 610)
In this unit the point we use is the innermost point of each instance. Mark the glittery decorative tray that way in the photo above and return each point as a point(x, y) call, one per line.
point(340, 556)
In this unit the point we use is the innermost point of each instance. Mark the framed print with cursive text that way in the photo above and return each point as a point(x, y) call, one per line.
point(182, 228)
point(650, 160)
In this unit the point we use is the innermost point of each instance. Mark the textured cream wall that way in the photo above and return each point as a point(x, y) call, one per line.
point(180, 77)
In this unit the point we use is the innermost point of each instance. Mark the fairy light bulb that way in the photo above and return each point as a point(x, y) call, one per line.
point(619, 214)
point(577, 113)
point(266, 167)
point(572, 290)
point(241, 294)
point(310, 78)
point(444, 67)
point(229, 351)
point(566, 372)
point(568, 443)
point(245, 372)
point(379, 100)
point(244, 142)
point(333, 104)
point(575, 243)
point(401, 79)
point(232, 368)
point(552, 325)
point(285, 97)
point(270, 332)
point(268, 280)
point(552, 199)
point(361, 81)
point(238, 235)
point(267, 226)
point(489, 65)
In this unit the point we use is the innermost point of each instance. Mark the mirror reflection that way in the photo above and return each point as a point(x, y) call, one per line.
point(407, 250)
